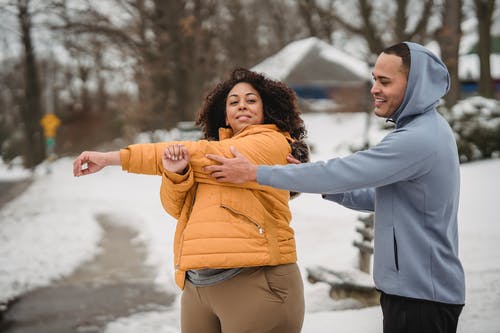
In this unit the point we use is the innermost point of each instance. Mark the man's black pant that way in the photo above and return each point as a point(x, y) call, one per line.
point(407, 315)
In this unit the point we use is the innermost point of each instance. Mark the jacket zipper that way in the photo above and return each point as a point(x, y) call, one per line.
point(259, 227)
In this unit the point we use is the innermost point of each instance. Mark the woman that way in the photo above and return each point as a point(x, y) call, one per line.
point(234, 250)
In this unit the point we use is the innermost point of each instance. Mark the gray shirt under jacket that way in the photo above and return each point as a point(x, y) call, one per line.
point(211, 276)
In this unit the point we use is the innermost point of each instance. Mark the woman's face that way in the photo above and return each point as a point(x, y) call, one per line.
point(243, 107)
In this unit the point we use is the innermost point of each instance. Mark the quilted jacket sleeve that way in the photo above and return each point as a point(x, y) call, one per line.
point(267, 147)
point(174, 189)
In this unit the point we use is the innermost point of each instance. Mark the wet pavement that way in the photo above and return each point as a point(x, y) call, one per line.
point(115, 284)
point(11, 189)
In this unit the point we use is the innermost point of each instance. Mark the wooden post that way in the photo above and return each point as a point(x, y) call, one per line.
point(365, 246)
point(346, 284)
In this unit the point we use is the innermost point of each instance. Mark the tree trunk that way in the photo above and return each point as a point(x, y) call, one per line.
point(31, 111)
point(306, 10)
point(448, 37)
point(175, 29)
point(484, 12)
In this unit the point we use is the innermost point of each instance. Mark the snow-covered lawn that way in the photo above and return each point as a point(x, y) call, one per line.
point(51, 229)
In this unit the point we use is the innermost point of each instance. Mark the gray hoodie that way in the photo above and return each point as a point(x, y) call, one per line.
point(411, 180)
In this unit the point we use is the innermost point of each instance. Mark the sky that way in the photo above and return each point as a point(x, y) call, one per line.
point(51, 229)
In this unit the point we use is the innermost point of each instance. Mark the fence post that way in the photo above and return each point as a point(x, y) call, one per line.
point(365, 246)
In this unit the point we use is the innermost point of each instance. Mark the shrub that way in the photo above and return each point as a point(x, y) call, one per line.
point(476, 123)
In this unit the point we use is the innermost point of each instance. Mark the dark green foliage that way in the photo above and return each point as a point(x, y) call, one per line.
point(476, 123)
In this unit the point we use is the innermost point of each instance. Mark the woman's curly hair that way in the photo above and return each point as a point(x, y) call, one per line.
point(280, 108)
point(279, 102)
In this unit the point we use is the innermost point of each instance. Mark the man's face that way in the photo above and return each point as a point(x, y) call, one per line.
point(389, 84)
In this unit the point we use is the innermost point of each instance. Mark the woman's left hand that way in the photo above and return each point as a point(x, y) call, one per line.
point(175, 158)
point(292, 160)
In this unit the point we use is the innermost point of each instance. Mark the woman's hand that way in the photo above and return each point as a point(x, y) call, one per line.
point(91, 162)
point(175, 158)
point(292, 160)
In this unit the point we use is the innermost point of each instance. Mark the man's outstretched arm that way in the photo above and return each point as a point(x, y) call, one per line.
point(388, 162)
point(235, 170)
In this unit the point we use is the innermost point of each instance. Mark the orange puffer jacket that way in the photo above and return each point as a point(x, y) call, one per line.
point(223, 225)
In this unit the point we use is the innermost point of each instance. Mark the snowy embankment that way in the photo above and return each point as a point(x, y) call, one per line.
point(51, 229)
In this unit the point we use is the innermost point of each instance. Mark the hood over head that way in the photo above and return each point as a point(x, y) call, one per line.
point(428, 81)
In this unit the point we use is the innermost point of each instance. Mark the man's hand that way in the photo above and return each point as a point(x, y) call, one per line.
point(235, 170)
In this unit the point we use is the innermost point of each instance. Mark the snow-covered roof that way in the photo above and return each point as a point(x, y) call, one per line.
point(281, 64)
point(331, 63)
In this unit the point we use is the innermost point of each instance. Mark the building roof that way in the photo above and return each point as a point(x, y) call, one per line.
point(311, 61)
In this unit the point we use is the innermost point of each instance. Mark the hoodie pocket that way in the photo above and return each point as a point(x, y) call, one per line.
point(396, 263)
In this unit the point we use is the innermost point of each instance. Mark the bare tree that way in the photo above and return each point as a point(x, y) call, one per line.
point(171, 43)
point(484, 12)
point(448, 38)
point(377, 26)
point(279, 13)
point(11, 99)
point(384, 23)
point(31, 110)
point(310, 13)
point(171, 50)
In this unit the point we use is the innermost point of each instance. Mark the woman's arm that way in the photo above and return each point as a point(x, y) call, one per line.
point(266, 148)
point(91, 162)
point(174, 190)
point(175, 158)
point(177, 179)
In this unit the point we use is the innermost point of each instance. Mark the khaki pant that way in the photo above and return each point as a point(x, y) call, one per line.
point(266, 299)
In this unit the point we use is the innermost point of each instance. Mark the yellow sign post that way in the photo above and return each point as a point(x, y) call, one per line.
point(50, 122)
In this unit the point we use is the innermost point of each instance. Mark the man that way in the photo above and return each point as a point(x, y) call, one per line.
point(410, 179)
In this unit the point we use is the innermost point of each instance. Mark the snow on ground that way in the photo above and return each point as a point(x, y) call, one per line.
point(51, 229)
point(13, 171)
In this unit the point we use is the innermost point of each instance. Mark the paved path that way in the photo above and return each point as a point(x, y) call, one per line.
point(10, 189)
point(116, 283)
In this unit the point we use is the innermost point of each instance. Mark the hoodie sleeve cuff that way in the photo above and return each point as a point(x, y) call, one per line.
point(264, 174)
point(338, 197)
